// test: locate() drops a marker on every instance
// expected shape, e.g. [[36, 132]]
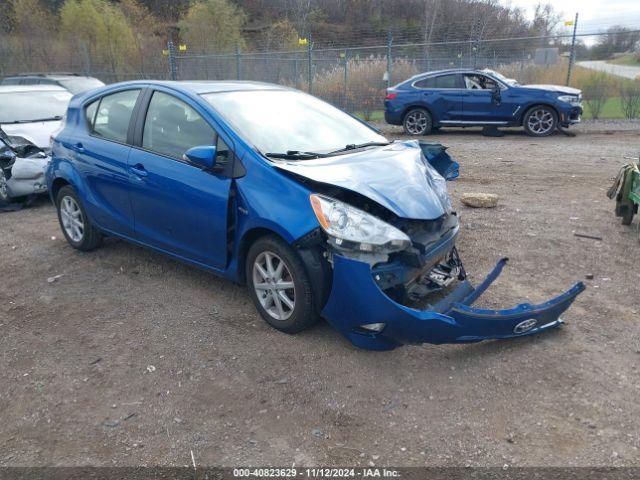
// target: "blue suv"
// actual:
[[464, 98]]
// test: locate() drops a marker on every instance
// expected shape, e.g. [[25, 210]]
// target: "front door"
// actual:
[[178, 207], [487, 101]]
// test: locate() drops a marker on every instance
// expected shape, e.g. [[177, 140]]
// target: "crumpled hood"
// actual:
[[556, 88], [396, 176], [37, 133]]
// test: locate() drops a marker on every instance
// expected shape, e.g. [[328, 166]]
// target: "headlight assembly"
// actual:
[[572, 99], [351, 228]]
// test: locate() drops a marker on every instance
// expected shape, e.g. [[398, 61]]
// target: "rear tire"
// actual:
[[417, 121], [279, 285], [74, 222], [540, 121]]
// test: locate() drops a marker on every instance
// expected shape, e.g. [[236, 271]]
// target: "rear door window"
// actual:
[[113, 115], [441, 81]]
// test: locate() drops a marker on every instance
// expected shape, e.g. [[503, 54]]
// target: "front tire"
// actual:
[[279, 285], [417, 121], [540, 121], [74, 222]]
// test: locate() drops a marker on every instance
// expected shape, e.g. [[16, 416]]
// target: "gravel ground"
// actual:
[[130, 358]]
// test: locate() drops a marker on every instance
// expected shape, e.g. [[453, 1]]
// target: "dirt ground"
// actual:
[[130, 358]]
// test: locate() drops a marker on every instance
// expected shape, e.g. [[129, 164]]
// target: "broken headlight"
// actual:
[[351, 228]]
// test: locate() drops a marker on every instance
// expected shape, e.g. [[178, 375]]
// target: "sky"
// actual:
[[594, 15]]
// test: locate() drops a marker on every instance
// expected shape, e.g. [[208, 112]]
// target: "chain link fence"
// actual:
[[354, 78]]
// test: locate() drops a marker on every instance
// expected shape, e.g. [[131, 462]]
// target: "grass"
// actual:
[[610, 110], [376, 116], [632, 59]]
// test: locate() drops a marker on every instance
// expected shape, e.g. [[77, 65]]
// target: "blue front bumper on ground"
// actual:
[[357, 300]]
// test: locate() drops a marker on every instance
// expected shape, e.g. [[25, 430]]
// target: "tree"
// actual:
[[100, 31], [212, 26], [597, 89], [630, 98], [31, 26], [281, 35], [616, 39], [146, 37], [545, 20]]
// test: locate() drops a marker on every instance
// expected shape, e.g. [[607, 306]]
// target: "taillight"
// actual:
[[391, 96]]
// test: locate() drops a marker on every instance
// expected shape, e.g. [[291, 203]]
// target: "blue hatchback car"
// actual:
[[465, 98], [317, 212]]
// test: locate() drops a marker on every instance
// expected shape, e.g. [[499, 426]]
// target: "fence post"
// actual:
[[346, 79], [389, 60], [309, 65], [238, 74], [572, 55], [86, 59], [173, 68]]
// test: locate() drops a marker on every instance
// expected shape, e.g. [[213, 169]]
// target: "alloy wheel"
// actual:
[[540, 121], [416, 122], [273, 285], [72, 220]]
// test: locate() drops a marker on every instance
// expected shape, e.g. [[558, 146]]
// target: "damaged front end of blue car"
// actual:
[[396, 275]]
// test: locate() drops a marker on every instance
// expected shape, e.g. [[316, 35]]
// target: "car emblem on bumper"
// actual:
[[525, 326]]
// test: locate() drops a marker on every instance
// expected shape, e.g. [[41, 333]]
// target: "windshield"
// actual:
[[80, 84], [499, 76], [34, 105], [280, 121]]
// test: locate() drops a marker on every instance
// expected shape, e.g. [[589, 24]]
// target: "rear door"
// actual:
[[102, 150], [443, 95], [178, 207]]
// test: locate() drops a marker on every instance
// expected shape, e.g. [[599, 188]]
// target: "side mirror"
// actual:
[[202, 156]]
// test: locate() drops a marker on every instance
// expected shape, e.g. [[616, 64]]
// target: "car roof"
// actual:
[[53, 75], [31, 88], [450, 71], [209, 86]]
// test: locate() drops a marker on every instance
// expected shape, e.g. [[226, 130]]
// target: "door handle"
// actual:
[[139, 170], [78, 147]]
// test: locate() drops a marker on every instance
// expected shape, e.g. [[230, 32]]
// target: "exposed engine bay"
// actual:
[[22, 168], [420, 258]]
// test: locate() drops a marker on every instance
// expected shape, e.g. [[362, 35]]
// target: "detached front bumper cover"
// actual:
[[357, 300]]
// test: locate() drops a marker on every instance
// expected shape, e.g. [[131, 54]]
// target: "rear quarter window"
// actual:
[[441, 81], [90, 113], [113, 115]]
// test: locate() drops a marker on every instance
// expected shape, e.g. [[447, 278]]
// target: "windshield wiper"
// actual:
[[48, 119], [295, 155], [355, 146]]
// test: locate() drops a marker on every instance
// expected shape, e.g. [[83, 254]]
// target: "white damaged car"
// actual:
[[29, 115]]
